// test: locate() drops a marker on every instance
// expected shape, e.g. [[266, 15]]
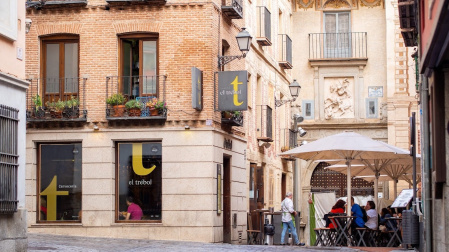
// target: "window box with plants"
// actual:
[[233, 118], [56, 108], [38, 111], [156, 107], [71, 109], [134, 107], [117, 102]]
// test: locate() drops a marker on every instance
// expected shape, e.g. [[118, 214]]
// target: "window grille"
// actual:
[[8, 159]]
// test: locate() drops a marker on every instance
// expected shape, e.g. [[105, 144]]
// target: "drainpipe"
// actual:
[[425, 165]]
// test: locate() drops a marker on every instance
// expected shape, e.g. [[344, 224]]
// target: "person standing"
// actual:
[[287, 221]]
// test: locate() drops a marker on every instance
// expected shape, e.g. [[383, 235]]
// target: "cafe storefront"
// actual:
[[190, 184]]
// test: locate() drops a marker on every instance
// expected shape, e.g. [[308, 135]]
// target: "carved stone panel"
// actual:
[[338, 98]]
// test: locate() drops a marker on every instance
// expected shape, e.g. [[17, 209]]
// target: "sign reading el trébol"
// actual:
[[232, 90]]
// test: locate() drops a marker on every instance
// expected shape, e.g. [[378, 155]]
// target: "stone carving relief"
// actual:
[[371, 3], [337, 4], [305, 4], [338, 99], [383, 111]]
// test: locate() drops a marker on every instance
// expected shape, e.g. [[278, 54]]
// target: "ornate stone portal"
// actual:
[[338, 98]]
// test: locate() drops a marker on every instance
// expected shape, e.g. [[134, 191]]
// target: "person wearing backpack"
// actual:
[[358, 215]]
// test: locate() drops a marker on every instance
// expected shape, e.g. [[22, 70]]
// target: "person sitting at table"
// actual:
[[389, 225], [134, 210], [371, 214], [358, 215], [339, 207]]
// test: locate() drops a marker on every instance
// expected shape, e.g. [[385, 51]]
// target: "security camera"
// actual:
[[298, 118]]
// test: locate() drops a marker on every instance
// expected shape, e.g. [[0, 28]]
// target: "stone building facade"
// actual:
[[188, 169], [13, 213], [355, 73]]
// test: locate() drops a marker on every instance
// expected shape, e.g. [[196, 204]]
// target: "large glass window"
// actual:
[[59, 197], [337, 34], [139, 172], [61, 68]]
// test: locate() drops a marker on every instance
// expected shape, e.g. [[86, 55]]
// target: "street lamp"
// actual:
[[244, 43], [294, 92]]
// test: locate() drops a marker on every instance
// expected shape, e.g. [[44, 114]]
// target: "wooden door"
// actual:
[[226, 200]]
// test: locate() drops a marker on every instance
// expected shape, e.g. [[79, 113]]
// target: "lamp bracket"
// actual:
[[279, 103], [223, 60]]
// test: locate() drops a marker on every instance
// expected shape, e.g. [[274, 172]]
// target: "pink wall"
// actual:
[[8, 48]]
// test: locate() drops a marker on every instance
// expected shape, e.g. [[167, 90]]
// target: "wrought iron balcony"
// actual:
[[285, 48], [56, 99], [337, 46], [407, 17], [264, 26], [265, 127], [39, 4], [232, 118], [232, 8], [136, 98]]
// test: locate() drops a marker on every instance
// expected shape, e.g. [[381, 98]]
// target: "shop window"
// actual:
[[139, 173], [59, 182]]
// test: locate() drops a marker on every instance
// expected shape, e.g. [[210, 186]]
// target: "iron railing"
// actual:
[[144, 89], [9, 122], [233, 8], [263, 22], [337, 45], [285, 59], [60, 99], [266, 125]]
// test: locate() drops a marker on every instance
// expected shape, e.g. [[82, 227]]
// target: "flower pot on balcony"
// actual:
[[134, 112], [154, 112], [119, 110]]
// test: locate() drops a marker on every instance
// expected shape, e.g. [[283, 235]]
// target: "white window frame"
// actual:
[[8, 22]]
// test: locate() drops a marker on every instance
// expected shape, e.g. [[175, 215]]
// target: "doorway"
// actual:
[[227, 199]]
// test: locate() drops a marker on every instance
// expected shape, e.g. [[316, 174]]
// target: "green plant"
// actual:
[[36, 99], [73, 102], [116, 99], [133, 104], [59, 105], [160, 105], [236, 113]]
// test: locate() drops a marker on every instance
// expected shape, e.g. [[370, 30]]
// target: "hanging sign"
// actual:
[[197, 88], [232, 90]]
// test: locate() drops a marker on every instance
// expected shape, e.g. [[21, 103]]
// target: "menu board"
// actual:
[[403, 199]]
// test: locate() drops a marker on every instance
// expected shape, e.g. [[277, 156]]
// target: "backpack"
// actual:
[[365, 216]]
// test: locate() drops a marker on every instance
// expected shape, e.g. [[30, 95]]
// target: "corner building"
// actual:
[[191, 171]]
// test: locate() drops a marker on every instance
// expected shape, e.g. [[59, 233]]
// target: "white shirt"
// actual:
[[287, 209], [372, 220]]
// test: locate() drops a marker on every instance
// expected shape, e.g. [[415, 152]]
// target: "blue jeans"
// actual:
[[290, 226]]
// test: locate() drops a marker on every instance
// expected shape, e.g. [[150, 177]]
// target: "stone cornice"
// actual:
[[11, 80]]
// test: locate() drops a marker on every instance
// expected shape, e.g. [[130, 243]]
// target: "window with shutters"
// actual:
[[337, 34]]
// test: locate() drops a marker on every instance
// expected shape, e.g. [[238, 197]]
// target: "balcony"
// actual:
[[118, 2], [288, 142], [232, 118], [136, 98], [56, 100], [232, 8], [264, 26], [285, 48], [265, 127], [407, 16], [338, 46], [39, 4]]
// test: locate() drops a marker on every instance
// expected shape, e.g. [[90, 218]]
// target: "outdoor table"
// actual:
[[342, 226], [261, 218], [396, 236]]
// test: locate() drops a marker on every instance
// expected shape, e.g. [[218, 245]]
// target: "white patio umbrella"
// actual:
[[347, 146]]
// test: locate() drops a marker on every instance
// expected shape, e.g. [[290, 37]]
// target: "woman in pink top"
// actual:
[[134, 210]]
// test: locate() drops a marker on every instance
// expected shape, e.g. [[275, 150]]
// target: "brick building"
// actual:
[[193, 172]]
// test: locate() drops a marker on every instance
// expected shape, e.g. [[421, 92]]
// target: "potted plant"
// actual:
[[160, 106], [56, 108], [117, 101], [134, 107], [151, 104], [37, 109], [71, 109]]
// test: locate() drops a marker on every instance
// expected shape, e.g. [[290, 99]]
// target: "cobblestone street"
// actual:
[[42, 242]]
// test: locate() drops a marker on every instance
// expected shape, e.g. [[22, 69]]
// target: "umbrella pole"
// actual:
[[376, 189], [348, 183], [395, 183]]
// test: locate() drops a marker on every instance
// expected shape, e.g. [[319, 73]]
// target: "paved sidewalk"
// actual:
[[43, 242]]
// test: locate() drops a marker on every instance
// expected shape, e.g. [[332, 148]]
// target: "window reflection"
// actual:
[[140, 177]]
